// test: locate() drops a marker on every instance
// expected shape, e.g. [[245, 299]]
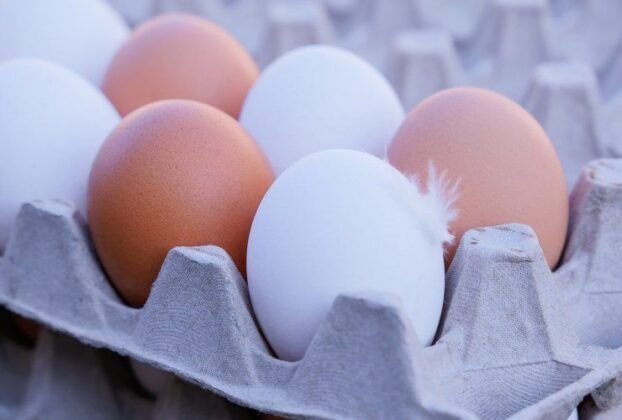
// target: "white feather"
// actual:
[[434, 203]]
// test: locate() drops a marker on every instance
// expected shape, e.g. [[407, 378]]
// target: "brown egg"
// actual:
[[506, 165], [173, 173], [180, 57]]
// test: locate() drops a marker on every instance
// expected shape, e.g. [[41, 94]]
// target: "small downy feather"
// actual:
[[441, 196], [434, 203]]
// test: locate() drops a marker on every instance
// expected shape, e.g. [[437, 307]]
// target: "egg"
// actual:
[[173, 173], [152, 379], [506, 166], [316, 98], [82, 35], [52, 123], [343, 221], [180, 57]]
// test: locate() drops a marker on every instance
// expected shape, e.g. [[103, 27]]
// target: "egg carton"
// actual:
[[60, 378], [515, 339]]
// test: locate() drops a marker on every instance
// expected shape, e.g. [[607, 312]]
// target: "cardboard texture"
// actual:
[[515, 339], [60, 378]]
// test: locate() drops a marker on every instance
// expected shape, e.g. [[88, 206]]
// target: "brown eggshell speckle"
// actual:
[[180, 57], [506, 165], [173, 173]]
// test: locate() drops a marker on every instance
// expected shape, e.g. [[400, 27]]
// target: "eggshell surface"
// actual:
[[506, 165], [173, 173], [52, 123], [82, 35], [340, 221], [152, 379], [316, 98], [180, 57]]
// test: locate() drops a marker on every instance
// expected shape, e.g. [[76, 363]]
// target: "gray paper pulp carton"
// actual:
[[515, 339]]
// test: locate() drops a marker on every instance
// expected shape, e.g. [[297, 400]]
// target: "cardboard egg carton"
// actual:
[[60, 378], [514, 339]]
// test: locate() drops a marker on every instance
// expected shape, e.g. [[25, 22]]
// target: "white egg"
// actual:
[[82, 35], [52, 123], [342, 221], [316, 98]]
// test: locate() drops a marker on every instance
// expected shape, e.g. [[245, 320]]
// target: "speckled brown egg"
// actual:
[[173, 173], [180, 56], [507, 168]]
